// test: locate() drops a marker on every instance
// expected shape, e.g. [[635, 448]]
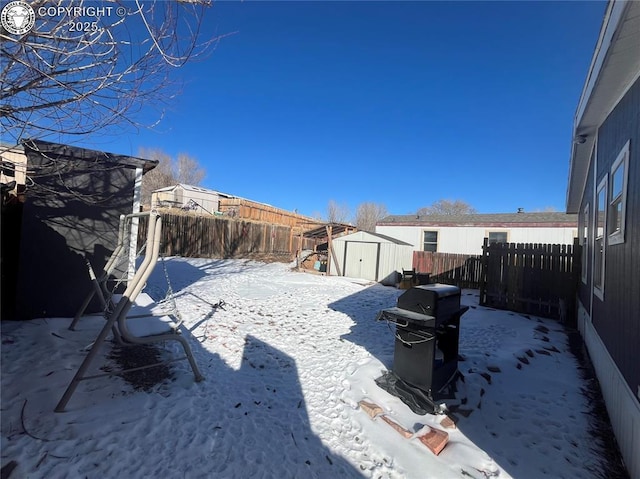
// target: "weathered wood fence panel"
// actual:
[[462, 270], [242, 208], [221, 237], [539, 279]]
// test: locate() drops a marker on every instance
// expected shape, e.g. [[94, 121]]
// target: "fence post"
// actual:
[[576, 274], [483, 271], [576, 260]]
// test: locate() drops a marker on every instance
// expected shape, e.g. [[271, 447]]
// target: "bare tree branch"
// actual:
[[337, 213], [368, 214], [448, 207], [170, 171], [75, 74], [187, 170]]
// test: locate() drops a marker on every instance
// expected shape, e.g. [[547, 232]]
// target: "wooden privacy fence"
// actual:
[[242, 208], [539, 279], [218, 237], [462, 270]]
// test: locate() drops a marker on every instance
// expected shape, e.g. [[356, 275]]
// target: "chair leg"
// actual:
[[82, 309], [187, 350], [95, 291], [83, 367]]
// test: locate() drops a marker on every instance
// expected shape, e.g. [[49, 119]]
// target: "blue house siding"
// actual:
[[616, 317]]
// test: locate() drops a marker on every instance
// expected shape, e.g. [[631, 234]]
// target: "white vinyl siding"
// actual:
[[469, 239]]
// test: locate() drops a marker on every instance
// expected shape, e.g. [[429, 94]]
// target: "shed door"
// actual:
[[361, 260]]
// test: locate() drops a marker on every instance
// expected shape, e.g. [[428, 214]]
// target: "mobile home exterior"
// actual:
[[201, 200], [464, 234], [604, 190], [14, 166]]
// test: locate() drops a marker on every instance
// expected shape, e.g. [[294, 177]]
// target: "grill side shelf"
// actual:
[[402, 317]]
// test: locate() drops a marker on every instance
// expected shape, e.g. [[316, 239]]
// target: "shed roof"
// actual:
[[547, 220], [378, 236], [321, 231], [198, 189], [615, 65], [68, 152]]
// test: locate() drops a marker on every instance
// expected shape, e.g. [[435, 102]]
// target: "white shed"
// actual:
[[371, 256], [187, 197]]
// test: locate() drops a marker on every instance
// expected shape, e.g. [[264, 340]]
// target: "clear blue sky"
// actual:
[[391, 102]]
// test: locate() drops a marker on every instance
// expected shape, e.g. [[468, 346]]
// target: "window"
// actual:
[[430, 242], [600, 246], [584, 241], [618, 197], [498, 237]]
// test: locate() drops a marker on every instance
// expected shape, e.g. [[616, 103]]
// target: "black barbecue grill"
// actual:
[[427, 327], [439, 300]]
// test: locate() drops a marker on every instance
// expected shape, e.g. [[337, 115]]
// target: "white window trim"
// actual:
[[617, 237], [585, 242], [498, 230], [598, 290], [133, 239], [437, 238], [593, 166]]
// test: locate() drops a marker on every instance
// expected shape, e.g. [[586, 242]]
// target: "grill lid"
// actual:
[[440, 290], [439, 300]]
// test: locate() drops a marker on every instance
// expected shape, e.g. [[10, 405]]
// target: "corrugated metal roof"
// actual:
[[321, 231], [528, 219], [199, 189], [381, 236]]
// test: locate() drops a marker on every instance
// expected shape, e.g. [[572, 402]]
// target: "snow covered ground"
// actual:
[[286, 362]]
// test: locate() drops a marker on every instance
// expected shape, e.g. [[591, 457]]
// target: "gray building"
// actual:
[[72, 205], [604, 190]]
